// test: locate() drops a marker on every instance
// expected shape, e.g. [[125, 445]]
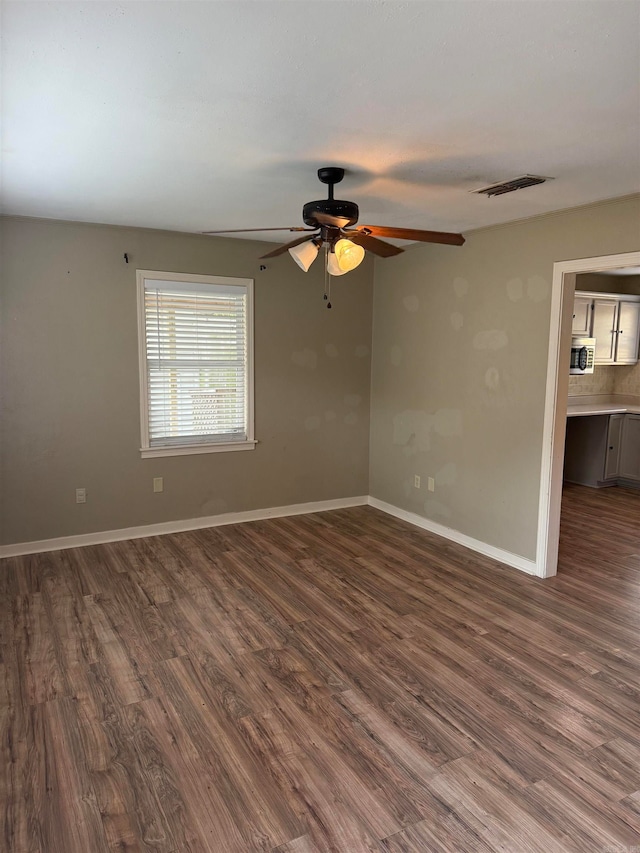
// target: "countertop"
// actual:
[[603, 405]]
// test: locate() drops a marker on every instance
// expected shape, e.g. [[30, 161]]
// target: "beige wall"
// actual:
[[70, 404], [459, 361], [460, 345]]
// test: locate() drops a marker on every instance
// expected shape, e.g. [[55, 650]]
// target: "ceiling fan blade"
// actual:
[[243, 230], [331, 221], [414, 234], [372, 244], [285, 248]]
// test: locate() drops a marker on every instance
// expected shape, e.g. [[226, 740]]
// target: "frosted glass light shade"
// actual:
[[333, 267], [304, 254], [348, 254]]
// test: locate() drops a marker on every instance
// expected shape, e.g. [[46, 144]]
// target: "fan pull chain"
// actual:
[[327, 279]]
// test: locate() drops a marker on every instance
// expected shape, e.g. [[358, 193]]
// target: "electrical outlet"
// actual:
[[431, 484], [158, 484], [81, 496], [416, 480]]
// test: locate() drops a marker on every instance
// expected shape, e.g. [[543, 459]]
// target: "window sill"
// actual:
[[191, 449]]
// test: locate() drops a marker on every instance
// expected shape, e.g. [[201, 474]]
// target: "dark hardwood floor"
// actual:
[[333, 682]]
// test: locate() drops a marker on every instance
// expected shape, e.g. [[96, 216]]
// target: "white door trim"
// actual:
[[555, 407]]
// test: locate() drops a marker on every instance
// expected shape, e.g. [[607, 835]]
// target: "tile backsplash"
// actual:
[[607, 379], [627, 379]]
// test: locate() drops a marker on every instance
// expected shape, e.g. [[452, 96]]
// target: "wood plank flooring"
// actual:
[[332, 682]]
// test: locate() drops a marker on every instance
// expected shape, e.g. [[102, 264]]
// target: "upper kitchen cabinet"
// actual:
[[628, 337], [613, 320], [582, 316], [603, 329]]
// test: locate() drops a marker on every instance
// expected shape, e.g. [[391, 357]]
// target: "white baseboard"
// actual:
[[164, 527], [124, 533], [515, 560]]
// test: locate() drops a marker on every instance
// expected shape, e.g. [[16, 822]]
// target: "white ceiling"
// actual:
[[202, 115]]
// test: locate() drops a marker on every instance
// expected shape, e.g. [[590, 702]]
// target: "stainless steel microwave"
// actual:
[[583, 353]]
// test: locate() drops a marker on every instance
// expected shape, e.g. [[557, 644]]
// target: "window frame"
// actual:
[[146, 450]]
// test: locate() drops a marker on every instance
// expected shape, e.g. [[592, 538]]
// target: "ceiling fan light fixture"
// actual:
[[304, 254], [333, 267], [348, 255]]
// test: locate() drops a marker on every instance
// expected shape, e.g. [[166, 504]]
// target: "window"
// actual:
[[196, 364]]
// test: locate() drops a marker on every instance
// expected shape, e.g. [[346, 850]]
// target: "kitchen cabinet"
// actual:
[[613, 319], [612, 454], [603, 329], [628, 337], [603, 450], [585, 450], [629, 463], [581, 316]]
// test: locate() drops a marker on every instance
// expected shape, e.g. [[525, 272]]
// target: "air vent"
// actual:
[[512, 186]]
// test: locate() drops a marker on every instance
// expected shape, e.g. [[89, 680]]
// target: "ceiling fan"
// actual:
[[331, 224]]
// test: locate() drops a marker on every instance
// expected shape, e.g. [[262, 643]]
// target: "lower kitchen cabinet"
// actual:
[[585, 449], [603, 450], [629, 462], [614, 441]]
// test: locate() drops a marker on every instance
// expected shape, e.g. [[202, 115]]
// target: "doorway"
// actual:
[[557, 389]]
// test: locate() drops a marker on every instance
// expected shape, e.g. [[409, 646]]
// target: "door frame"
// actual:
[[555, 407]]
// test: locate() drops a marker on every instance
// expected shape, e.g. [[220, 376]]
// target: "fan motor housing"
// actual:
[[330, 211]]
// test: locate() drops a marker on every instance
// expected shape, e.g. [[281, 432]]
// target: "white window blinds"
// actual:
[[196, 363]]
